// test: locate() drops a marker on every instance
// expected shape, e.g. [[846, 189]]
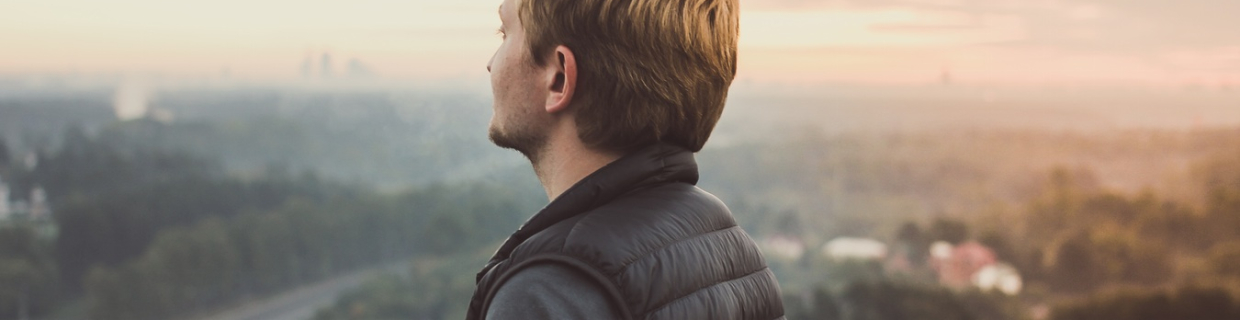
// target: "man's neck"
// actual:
[[565, 161]]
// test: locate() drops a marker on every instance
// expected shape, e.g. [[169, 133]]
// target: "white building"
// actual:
[[999, 276], [36, 209], [5, 210], [39, 208], [845, 248], [783, 247]]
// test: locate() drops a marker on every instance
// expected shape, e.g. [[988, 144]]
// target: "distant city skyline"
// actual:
[[782, 41]]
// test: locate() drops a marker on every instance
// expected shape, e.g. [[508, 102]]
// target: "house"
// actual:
[[846, 248], [956, 265], [973, 264], [37, 209], [999, 276], [782, 246]]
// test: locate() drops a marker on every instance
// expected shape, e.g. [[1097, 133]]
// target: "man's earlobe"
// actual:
[[564, 83]]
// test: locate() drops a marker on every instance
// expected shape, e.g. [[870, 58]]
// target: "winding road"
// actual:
[[301, 303]]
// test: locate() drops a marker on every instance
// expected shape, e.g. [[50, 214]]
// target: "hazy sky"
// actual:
[[782, 41]]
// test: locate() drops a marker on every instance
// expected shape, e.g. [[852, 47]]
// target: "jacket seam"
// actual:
[[616, 298], [669, 302], [647, 253]]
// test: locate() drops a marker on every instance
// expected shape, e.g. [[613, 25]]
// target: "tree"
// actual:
[[199, 264], [1220, 179], [1075, 267], [1091, 258], [889, 300], [913, 243], [16, 278], [825, 307], [5, 159], [1194, 302], [1224, 259], [112, 227], [1188, 302], [266, 245], [1002, 247], [1058, 207], [28, 279], [950, 230]]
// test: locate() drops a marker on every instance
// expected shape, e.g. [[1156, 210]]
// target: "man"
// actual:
[[609, 99]]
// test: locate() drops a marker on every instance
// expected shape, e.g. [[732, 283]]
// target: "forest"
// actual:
[[253, 193], [1087, 242]]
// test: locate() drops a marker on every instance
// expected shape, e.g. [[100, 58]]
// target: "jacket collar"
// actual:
[[652, 165]]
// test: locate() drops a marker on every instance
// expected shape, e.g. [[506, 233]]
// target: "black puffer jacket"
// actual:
[[662, 248]]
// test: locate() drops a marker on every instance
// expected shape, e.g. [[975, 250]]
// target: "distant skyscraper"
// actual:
[[325, 65], [307, 67], [357, 69]]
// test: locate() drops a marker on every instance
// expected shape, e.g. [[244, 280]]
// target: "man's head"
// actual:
[[627, 73]]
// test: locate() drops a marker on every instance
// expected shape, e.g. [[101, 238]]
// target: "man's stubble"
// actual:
[[523, 131]]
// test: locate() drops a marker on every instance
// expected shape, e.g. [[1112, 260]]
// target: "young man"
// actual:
[[609, 99]]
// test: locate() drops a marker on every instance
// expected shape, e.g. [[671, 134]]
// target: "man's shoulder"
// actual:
[[648, 218], [635, 225], [551, 291]]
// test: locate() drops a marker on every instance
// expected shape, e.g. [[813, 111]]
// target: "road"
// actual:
[[302, 302]]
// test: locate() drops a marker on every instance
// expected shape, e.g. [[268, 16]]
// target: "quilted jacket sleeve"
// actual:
[[550, 291]]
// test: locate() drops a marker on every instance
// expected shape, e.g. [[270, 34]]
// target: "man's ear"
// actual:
[[563, 80]]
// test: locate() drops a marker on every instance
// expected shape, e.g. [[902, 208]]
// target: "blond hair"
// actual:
[[648, 70]]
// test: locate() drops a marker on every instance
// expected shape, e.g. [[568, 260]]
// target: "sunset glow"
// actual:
[[782, 41]]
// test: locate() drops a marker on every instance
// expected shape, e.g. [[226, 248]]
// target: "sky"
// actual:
[[1162, 42]]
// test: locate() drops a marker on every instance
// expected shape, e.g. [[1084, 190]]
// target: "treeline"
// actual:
[[1078, 237], [1093, 253], [435, 288], [81, 165], [219, 260], [1188, 303], [1106, 245], [148, 233], [1074, 233], [112, 227], [110, 201]]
